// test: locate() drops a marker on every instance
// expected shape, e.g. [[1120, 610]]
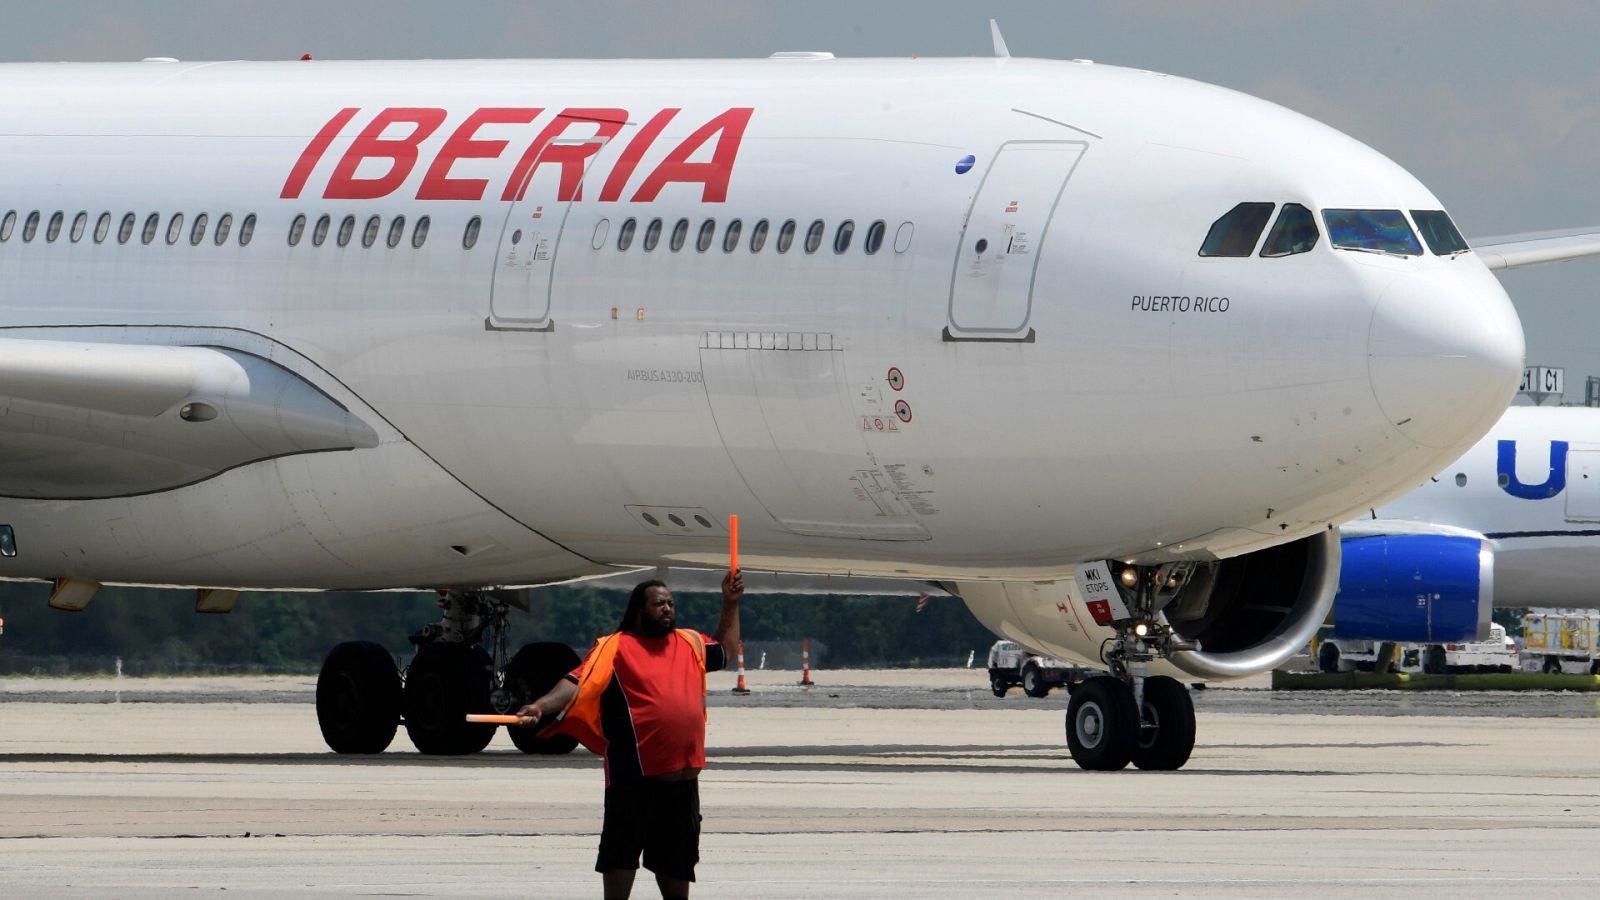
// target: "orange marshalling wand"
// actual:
[[488, 719], [733, 543]]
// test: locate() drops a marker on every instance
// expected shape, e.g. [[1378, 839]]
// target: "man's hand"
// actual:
[[732, 586], [530, 715]]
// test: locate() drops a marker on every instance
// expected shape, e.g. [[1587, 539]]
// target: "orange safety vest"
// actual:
[[581, 717]]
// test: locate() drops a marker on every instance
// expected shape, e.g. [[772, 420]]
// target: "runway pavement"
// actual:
[[213, 785]]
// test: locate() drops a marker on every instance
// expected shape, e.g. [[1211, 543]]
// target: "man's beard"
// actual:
[[653, 628]]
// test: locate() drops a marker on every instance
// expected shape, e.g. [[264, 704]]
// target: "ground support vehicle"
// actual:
[[1012, 664], [1496, 653], [1561, 641]]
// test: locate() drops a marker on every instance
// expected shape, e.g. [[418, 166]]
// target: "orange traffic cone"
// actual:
[[741, 687], [805, 663]]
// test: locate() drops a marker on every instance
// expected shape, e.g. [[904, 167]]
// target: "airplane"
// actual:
[[1108, 353]]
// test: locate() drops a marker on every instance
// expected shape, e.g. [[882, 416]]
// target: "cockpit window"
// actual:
[[1439, 232], [1371, 230], [1236, 233], [1294, 232]]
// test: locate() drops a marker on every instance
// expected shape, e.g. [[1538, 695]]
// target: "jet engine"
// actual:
[[1210, 620]]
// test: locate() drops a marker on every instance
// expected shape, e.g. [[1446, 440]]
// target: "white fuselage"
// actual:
[[1084, 386]]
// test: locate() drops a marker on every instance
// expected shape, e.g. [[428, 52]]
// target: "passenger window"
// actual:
[[902, 237], [397, 230], [1294, 232], [730, 238], [80, 222], [786, 236], [1236, 233], [53, 230], [652, 235], [470, 238], [1439, 232], [296, 229], [758, 236], [1371, 231], [841, 237], [102, 228], [708, 230], [30, 227], [680, 233], [125, 231], [8, 225], [347, 230], [198, 232], [419, 234], [625, 234], [874, 239], [814, 236], [319, 234], [152, 227], [175, 228], [369, 235], [247, 230], [224, 225]]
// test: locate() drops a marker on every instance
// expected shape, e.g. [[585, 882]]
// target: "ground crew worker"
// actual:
[[638, 700]]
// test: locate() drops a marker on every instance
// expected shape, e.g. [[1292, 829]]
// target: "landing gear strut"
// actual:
[[461, 667], [1129, 715]]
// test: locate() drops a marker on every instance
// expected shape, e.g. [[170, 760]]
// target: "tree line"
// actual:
[[158, 632]]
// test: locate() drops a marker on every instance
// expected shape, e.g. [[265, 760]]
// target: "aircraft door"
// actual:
[[1583, 485], [991, 291], [519, 297]]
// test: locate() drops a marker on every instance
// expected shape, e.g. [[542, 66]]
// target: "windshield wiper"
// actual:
[[1377, 250]]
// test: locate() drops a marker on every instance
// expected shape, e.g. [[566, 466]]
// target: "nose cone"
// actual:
[[1445, 355]]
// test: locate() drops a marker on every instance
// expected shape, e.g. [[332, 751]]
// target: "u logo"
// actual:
[[1506, 467]]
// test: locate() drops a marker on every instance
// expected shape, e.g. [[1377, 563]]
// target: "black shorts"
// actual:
[[660, 819]]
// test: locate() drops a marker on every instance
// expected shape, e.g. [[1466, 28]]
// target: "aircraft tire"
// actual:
[[444, 683], [1433, 660], [1166, 734], [358, 698], [1033, 683], [1328, 658], [1102, 724], [532, 672], [999, 684]]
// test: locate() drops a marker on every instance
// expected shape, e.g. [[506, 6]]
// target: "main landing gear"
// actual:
[[362, 698], [1128, 715]]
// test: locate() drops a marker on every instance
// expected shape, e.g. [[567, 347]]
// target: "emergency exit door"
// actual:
[[991, 292], [519, 297]]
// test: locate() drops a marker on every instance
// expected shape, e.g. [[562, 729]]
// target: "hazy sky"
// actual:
[[1495, 106]]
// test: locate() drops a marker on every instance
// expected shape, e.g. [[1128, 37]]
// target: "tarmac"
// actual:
[[871, 784]]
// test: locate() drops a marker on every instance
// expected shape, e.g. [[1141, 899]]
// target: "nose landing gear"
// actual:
[[1128, 715]]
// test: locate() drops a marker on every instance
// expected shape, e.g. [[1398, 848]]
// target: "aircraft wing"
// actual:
[[93, 419], [1515, 251]]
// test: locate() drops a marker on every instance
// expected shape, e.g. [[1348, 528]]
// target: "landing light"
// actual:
[[1141, 629], [1129, 576]]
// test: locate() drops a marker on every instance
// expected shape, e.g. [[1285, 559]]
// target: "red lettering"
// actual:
[[633, 153], [438, 185], [371, 144], [570, 157], [713, 176], [313, 152]]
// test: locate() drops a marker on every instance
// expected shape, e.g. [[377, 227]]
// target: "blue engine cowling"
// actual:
[[1427, 588]]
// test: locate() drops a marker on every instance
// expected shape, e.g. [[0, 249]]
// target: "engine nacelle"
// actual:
[[1249, 613], [1426, 588]]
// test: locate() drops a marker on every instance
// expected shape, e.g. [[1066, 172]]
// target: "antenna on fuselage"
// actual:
[[1000, 50]]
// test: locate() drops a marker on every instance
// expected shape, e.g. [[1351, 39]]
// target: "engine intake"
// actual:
[[1252, 612]]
